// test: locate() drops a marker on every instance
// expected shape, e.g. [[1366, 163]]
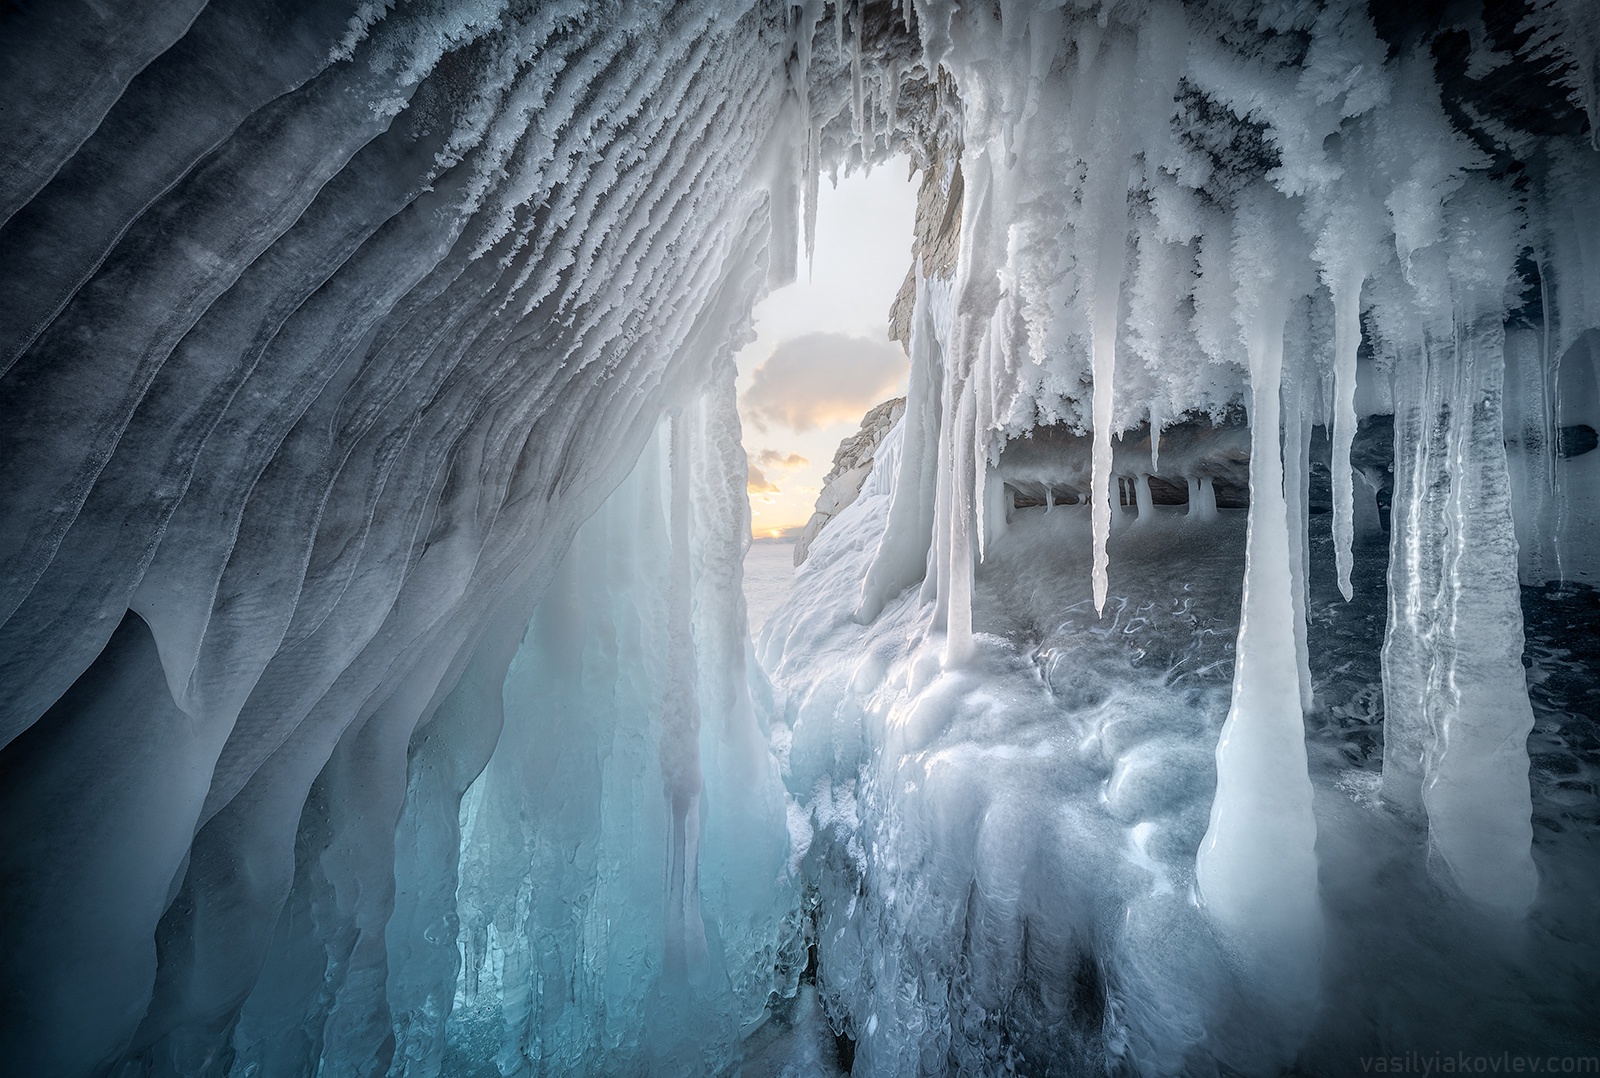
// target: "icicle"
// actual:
[[680, 733], [1346, 340], [891, 105], [858, 120], [1297, 405], [1104, 332], [813, 176], [1155, 437], [805, 31], [784, 214], [1105, 203]]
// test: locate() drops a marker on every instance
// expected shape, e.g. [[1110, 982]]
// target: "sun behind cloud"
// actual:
[[816, 379]]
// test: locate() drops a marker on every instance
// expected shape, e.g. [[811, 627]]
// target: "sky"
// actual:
[[822, 356]]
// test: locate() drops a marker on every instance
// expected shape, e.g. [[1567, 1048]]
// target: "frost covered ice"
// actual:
[[1170, 239], [1190, 688]]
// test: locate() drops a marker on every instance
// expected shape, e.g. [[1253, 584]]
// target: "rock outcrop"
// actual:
[[852, 463]]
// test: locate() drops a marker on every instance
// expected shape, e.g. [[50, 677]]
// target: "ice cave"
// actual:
[[1196, 673]]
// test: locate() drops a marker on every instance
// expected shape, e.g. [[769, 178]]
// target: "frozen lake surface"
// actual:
[[768, 577]]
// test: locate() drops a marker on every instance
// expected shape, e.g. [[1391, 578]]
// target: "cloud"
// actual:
[[822, 378], [756, 483], [783, 462]]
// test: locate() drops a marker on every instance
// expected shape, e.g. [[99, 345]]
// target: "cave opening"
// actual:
[[1188, 662]]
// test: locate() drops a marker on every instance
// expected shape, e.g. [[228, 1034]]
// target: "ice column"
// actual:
[[680, 729], [902, 556], [622, 895], [1256, 870], [1455, 696], [1456, 706], [1415, 570], [1476, 793]]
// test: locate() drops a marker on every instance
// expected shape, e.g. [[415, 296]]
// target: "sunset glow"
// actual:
[[822, 356]]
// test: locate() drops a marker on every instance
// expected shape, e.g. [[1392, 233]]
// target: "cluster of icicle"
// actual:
[[1169, 208]]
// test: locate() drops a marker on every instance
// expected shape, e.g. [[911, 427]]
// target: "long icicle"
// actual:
[[1346, 341], [1105, 203]]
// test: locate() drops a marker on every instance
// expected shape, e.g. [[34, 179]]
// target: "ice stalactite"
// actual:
[[1105, 209], [1298, 385], [1257, 868], [680, 727], [1345, 288]]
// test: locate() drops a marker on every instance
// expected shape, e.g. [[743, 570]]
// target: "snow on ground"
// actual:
[[768, 578], [1000, 853]]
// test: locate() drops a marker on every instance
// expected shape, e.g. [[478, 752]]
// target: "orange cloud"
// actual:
[[822, 378], [784, 462], [756, 483]]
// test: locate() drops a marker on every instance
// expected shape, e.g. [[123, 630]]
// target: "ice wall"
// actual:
[[325, 326], [631, 762]]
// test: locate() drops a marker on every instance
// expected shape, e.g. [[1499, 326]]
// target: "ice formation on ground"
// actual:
[[376, 694]]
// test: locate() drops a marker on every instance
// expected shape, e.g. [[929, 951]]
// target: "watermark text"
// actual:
[[1430, 1063]]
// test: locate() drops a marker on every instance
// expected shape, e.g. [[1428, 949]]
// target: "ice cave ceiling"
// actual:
[[375, 692]]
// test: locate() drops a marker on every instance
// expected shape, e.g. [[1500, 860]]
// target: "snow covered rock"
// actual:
[[852, 463]]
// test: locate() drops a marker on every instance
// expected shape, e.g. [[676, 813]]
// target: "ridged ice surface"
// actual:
[[375, 695], [324, 327]]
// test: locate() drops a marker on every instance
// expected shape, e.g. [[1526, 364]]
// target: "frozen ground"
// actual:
[[1001, 856], [768, 578]]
